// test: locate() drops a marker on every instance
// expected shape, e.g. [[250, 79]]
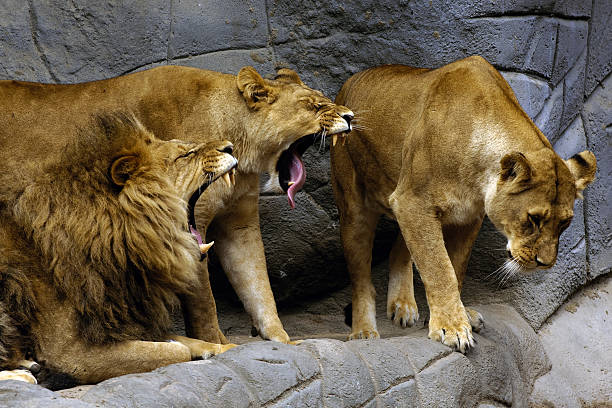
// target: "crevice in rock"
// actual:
[[170, 33], [395, 383], [131, 70], [270, 39], [253, 400], [434, 360], [588, 54], [528, 72], [554, 61], [374, 382], [39, 50], [296, 388], [519, 14], [494, 402], [271, 361]]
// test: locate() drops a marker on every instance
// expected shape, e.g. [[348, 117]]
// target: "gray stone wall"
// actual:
[[556, 55]]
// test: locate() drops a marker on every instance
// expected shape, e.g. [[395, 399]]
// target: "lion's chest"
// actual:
[[459, 207]]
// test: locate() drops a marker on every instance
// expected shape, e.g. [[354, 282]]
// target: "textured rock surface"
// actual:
[[576, 341], [556, 55], [409, 371]]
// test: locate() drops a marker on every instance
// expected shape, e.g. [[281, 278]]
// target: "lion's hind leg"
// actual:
[[401, 306], [202, 349]]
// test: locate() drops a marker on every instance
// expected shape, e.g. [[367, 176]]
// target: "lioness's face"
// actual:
[[534, 203], [293, 116]]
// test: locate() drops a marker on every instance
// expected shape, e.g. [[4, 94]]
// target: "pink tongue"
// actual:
[[196, 234], [297, 174]]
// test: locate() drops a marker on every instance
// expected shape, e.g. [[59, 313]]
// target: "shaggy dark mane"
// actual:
[[118, 255]]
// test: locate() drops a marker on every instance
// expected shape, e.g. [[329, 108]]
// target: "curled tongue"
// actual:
[[297, 177]]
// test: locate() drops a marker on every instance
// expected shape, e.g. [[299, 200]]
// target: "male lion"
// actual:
[[440, 149], [270, 123], [95, 248]]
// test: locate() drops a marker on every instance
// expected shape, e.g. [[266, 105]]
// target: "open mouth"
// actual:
[[290, 167], [229, 177]]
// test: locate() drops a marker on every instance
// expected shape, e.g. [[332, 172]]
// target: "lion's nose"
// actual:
[[542, 264], [348, 117], [229, 149]]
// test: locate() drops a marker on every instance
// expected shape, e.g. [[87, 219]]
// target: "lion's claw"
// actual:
[[454, 331], [364, 334], [476, 319], [403, 314]]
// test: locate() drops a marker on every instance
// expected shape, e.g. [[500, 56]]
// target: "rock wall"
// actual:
[[555, 54]]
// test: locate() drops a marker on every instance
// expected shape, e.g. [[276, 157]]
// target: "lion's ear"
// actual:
[[289, 76], [254, 89], [123, 168], [515, 167], [583, 166]]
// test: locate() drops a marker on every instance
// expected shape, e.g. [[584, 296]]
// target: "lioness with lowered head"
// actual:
[[270, 123], [440, 150], [95, 248]]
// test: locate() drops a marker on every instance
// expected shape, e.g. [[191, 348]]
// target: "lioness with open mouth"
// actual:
[[440, 149], [270, 123]]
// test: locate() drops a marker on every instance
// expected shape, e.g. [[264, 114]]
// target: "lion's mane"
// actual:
[[118, 255]]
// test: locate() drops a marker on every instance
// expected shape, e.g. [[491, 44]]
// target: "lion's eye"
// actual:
[[535, 220], [184, 155], [317, 107]]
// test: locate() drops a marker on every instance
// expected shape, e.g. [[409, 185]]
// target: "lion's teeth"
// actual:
[[226, 178], [334, 139], [232, 177], [205, 247], [291, 183], [343, 139]]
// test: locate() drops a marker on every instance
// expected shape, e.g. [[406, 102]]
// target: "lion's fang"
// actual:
[[334, 139], [226, 178], [205, 247]]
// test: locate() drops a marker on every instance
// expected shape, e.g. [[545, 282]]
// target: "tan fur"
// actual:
[[260, 117], [95, 250], [437, 150]]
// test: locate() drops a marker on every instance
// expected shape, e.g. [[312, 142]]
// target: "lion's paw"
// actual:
[[19, 375], [274, 333], [364, 334], [403, 314], [476, 319], [217, 349], [456, 334]]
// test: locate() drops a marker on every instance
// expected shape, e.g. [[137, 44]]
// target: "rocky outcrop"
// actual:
[[555, 54], [401, 371]]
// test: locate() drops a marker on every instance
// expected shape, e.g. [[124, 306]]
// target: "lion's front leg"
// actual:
[[240, 249], [200, 311], [459, 240], [422, 231]]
